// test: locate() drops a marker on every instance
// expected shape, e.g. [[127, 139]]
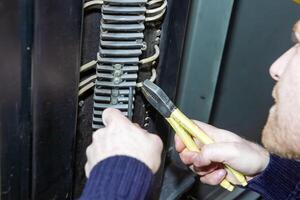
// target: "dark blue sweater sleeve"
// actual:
[[118, 177], [280, 180]]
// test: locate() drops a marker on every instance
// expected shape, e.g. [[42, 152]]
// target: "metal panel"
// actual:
[[207, 30], [204, 46], [56, 61], [15, 39]]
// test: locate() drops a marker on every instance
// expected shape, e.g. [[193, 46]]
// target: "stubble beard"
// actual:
[[278, 140]]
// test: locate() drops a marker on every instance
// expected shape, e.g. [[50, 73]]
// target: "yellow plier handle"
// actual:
[[297, 1], [196, 132], [191, 146]]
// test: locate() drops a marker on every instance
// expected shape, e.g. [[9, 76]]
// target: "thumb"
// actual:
[[111, 116]]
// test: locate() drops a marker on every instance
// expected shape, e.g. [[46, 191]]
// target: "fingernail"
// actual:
[[221, 174]]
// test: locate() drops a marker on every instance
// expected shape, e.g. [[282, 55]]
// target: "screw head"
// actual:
[[114, 101], [115, 93], [117, 80], [81, 103], [158, 32], [118, 66], [118, 73]]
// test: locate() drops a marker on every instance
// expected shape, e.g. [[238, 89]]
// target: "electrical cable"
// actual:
[[156, 17], [152, 78], [151, 58], [154, 2], [158, 9], [154, 75], [92, 3], [86, 88], [86, 81], [88, 66]]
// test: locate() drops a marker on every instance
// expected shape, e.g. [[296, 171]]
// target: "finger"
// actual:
[[232, 179], [157, 141], [97, 134], [226, 153], [137, 125], [198, 143], [179, 145], [221, 153], [214, 178], [200, 161], [113, 116], [207, 169], [88, 151], [87, 170], [187, 157]]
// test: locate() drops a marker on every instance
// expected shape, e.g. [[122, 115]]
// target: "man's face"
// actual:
[[281, 134]]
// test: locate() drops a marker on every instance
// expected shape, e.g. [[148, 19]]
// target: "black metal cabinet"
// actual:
[[15, 113], [55, 75], [40, 59]]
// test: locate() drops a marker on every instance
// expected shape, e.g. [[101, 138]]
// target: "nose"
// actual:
[[279, 66], [276, 70]]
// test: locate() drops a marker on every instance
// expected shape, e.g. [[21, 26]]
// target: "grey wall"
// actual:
[[260, 31]]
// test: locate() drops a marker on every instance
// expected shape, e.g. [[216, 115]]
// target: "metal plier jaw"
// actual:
[[158, 98]]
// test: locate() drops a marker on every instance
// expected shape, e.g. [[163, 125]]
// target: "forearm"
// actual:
[[279, 179], [118, 177]]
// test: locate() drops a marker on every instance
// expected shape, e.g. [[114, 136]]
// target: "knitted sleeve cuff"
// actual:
[[278, 180], [118, 177]]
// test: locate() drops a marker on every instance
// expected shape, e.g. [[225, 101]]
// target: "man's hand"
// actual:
[[242, 155], [121, 137]]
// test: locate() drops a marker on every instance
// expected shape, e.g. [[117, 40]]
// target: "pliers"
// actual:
[[185, 128]]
